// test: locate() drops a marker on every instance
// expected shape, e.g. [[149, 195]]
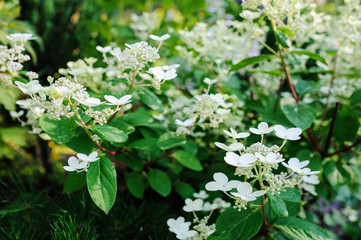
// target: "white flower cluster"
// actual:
[[219, 43], [200, 230], [11, 59], [258, 161], [81, 162], [144, 24]]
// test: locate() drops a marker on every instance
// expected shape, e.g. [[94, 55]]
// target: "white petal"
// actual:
[[244, 188], [232, 184], [280, 131], [82, 165], [197, 204], [220, 178], [82, 156], [232, 159], [247, 158], [73, 162], [294, 133], [212, 186], [263, 126], [69, 169], [257, 193], [255, 131], [242, 135], [111, 99], [125, 99]]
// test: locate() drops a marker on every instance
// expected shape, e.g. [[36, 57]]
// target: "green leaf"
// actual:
[[160, 182], [141, 118], [286, 31], [144, 144], [136, 185], [74, 182], [312, 55], [59, 131], [300, 229], [356, 97], [184, 189], [125, 127], [81, 142], [337, 174], [8, 98], [109, 133], [102, 183], [291, 195], [250, 61], [170, 140], [300, 115], [278, 206], [150, 99], [187, 160], [232, 224], [281, 38], [346, 124]]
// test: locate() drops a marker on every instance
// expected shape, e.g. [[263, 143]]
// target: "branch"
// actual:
[[346, 149], [329, 136]]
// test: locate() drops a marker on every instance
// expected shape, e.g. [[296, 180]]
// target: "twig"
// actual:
[[346, 149], [329, 136]]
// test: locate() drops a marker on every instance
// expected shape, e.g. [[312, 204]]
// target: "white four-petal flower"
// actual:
[[271, 158], [287, 134], [245, 160], [221, 183], [191, 205], [75, 164], [31, 87], [91, 102], [115, 101], [235, 135], [161, 38], [186, 123], [231, 148], [244, 191], [261, 129], [202, 195], [88, 158]]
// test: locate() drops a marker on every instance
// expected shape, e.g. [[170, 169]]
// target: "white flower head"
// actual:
[[271, 158], [88, 158], [20, 37], [104, 49], [221, 183], [191, 205], [75, 164], [236, 135], [31, 87], [186, 123], [244, 191], [261, 129], [245, 160], [295, 165], [208, 81], [231, 148], [202, 194], [174, 224], [115, 101], [15, 114], [287, 134], [161, 38], [91, 102], [313, 179]]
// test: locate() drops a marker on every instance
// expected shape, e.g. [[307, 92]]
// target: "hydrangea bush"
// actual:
[[153, 114]]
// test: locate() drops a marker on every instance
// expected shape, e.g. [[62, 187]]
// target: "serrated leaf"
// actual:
[[250, 61], [300, 115], [278, 206], [136, 185], [187, 160], [337, 174], [300, 229], [312, 55], [102, 183], [232, 224], [150, 99], [109, 133], [58, 130], [170, 140], [160, 182]]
